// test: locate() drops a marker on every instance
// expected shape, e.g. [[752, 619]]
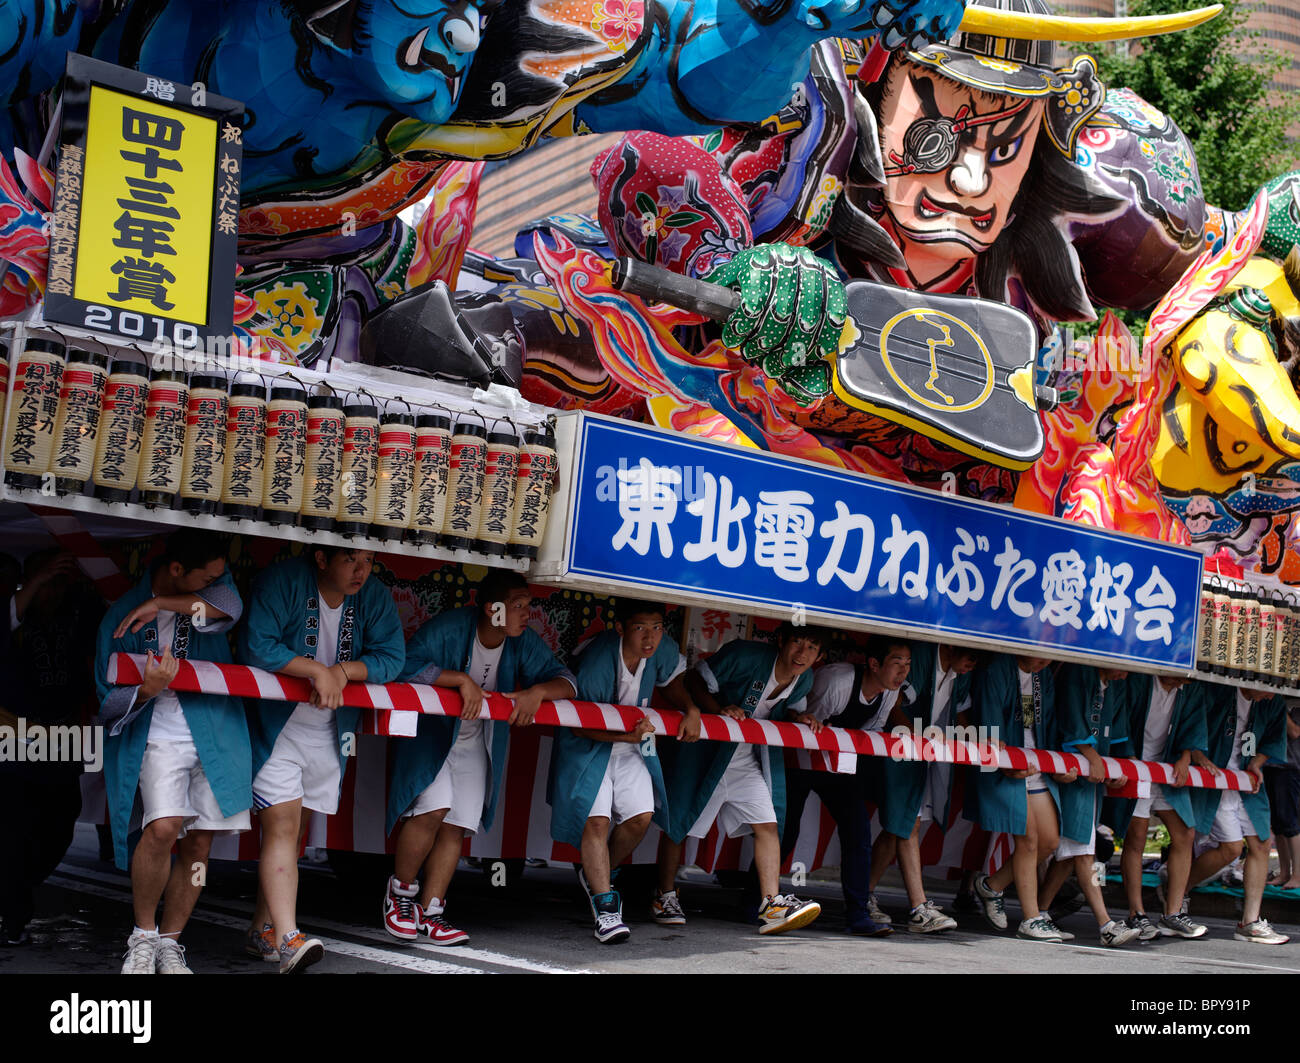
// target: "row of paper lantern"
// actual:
[[320, 460], [1249, 633]]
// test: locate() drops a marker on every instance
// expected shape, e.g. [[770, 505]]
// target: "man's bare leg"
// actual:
[[441, 864], [151, 866], [186, 881]]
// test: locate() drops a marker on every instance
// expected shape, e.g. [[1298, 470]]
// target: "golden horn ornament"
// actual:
[[1028, 27]]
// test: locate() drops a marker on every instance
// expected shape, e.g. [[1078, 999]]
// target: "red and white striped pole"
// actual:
[[397, 705]]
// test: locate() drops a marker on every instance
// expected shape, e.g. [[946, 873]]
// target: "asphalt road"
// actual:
[[539, 924]]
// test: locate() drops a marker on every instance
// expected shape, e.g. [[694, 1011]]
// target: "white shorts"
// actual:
[[304, 765], [1067, 848], [741, 798], [1231, 824], [1155, 803], [172, 783], [627, 789], [460, 785]]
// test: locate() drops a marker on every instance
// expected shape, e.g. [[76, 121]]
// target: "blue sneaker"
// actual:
[[868, 927], [610, 928]]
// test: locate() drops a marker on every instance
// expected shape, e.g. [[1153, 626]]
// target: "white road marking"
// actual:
[[1184, 959]]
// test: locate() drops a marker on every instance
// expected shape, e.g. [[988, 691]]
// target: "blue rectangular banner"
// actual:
[[669, 511]]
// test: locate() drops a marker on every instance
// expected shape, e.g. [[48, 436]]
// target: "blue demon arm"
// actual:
[[710, 63]]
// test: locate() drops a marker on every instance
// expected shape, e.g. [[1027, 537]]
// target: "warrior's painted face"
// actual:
[[954, 159], [415, 54]]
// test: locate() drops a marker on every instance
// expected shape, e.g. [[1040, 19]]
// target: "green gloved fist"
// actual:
[[791, 314]]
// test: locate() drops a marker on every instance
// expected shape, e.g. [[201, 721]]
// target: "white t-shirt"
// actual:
[[1026, 708], [629, 683], [168, 723], [629, 693], [483, 666], [1160, 714], [306, 715], [771, 695], [941, 705], [1243, 714]]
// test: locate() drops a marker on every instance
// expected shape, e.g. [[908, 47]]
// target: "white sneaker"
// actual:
[[995, 912], [877, 913], [786, 912], [1259, 932], [1040, 929], [171, 957], [929, 918], [1114, 934], [141, 954]]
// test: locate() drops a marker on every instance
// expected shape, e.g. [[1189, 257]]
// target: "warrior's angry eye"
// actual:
[[1004, 153]]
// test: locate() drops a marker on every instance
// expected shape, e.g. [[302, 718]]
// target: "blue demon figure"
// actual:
[[336, 89]]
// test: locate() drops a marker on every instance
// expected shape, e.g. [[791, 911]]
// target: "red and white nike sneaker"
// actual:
[[401, 910], [437, 929]]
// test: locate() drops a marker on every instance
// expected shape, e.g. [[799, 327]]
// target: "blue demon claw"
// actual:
[[883, 15], [893, 39]]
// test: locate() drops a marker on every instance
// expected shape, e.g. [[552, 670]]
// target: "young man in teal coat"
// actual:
[[1244, 727], [1091, 714], [912, 792], [322, 617], [186, 754], [1166, 723], [740, 785], [1014, 698], [599, 777], [445, 781]]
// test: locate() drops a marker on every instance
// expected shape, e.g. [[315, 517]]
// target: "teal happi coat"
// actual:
[[741, 669], [577, 763], [216, 722], [447, 642], [1186, 731], [1267, 722], [283, 623], [900, 784], [1000, 802], [1085, 716]]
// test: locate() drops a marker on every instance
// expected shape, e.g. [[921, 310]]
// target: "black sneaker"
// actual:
[[13, 935], [1147, 930], [966, 904], [1069, 899]]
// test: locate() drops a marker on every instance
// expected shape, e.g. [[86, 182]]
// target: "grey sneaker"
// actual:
[[995, 911], [877, 913], [666, 909], [928, 918], [1259, 932], [141, 954], [298, 952], [1147, 930], [1180, 926], [260, 944], [1040, 929], [1114, 934], [170, 957]]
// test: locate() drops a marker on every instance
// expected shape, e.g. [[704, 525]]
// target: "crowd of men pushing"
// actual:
[[182, 767]]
